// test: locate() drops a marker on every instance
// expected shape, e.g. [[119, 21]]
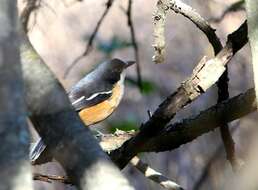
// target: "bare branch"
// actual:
[[187, 130], [15, 173], [134, 42], [177, 134], [159, 19], [179, 7], [91, 39], [50, 178], [206, 73]]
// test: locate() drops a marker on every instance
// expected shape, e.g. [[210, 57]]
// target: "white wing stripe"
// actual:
[[96, 94], [76, 101]]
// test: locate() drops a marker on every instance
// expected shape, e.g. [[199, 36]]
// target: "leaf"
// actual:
[[124, 125]]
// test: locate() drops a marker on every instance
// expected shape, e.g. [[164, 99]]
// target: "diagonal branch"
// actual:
[[91, 39], [154, 175], [180, 133], [206, 73], [181, 8], [187, 130], [15, 173]]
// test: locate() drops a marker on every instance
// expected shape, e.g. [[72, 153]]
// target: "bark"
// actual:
[[205, 74], [14, 150], [252, 19]]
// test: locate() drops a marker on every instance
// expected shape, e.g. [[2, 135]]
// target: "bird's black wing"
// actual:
[[81, 102], [91, 90]]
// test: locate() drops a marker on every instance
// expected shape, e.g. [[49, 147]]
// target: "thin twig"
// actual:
[[153, 175], [50, 178], [134, 43], [149, 113], [179, 7], [91, 39], [30, 6]]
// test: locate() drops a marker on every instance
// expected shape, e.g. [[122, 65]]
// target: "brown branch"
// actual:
[[134, 42], [89, 45], [206, 73], [177, 134], [50, 178], [187, 130]]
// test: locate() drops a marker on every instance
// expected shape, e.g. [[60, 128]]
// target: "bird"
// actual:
[[95, 97]]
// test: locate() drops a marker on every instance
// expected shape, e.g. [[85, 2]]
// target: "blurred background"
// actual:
[[59, 30]]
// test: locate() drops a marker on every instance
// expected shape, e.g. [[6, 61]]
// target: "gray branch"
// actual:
[[15, 171]]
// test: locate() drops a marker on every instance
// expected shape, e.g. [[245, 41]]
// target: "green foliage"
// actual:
[[123, 125], [28, 53]]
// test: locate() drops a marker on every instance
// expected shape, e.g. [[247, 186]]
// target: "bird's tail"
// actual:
[[40, 153]]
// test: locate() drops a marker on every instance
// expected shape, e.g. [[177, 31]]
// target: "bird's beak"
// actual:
[[129, 63]]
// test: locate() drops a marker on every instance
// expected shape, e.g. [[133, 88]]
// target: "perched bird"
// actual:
[[99, 93], [95, 97]]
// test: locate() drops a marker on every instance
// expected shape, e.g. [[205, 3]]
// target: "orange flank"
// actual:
[[101, 111]]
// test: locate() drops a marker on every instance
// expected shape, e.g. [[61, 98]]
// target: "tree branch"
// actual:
[[15, 171], [177, 134], [134, 42], [50, 178], [206, 73], [179, 7], [159, 20]]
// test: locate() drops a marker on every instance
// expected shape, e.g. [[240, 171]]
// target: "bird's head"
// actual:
[[117, 65]]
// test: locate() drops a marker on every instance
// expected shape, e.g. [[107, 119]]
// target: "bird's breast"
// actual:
[[101, 111]]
